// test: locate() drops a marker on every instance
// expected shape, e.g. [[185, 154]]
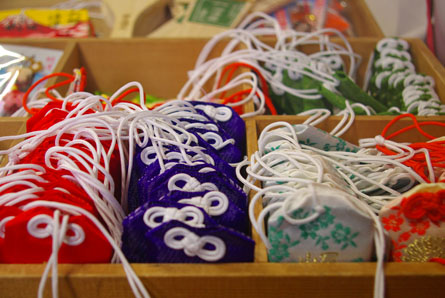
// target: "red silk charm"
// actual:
[[426, 204], [94, 249]]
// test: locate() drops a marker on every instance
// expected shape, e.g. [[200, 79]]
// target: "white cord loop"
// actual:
[[191, 184], [193, 245], [222, 114], [42, 226], [155, 216], [214, 203], [216, 140], [270, 62]]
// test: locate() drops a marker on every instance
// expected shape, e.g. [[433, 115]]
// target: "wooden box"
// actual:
[[362, 20], [162, 71]]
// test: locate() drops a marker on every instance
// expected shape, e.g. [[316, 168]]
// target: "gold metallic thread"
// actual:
[[424, 249], [326, 257]]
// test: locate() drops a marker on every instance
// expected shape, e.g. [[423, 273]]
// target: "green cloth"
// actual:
[[353, 92]]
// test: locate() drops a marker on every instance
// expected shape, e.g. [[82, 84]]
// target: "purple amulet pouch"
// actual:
[[227, 118], [177, 242], [135, 198], [146, 172], [146, 161], [151, 215], [217, 138], [216, 204], [190, 180]]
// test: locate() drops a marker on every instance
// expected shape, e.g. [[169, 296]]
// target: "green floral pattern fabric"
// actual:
[[314, 137], [328, 233]]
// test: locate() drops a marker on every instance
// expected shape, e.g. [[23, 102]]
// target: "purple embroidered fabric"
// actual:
[[191, 247], [191, 180], [217, 139], [234, 127], [134, 229], [231, 216], [141, 168], [147, 172], [192, 209], [151, 175]]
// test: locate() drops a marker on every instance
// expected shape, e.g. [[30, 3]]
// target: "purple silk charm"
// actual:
[[227, 118], [216, 204], [145, 172], [177, 242], [190, 180], [134, 199], [172, 153], [216, 137], [151, 215]]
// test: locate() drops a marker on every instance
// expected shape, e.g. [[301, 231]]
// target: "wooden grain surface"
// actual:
[[252, 147]]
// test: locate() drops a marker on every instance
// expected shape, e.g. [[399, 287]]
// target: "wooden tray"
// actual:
[[155, 63]]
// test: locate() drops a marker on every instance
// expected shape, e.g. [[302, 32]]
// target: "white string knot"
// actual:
[[157, 215], [191, 184], [42, 226], [222, 114], [146, 154], [14, 156], [194, 245], [335, 62], [214, 203], [380, 140], [290, 205], [215, 140]]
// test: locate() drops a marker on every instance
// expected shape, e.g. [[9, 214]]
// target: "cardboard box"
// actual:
[[155, 63], [10, 127], [133, 18]]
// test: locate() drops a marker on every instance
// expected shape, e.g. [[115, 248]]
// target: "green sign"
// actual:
[[216, 12]]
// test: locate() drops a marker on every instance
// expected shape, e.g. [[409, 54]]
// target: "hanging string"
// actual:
[[235, 66], [428, 155]]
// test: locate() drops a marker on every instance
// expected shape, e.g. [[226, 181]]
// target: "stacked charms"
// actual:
[[394, 81], [415, 223], [59, 201], [185, 201]]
